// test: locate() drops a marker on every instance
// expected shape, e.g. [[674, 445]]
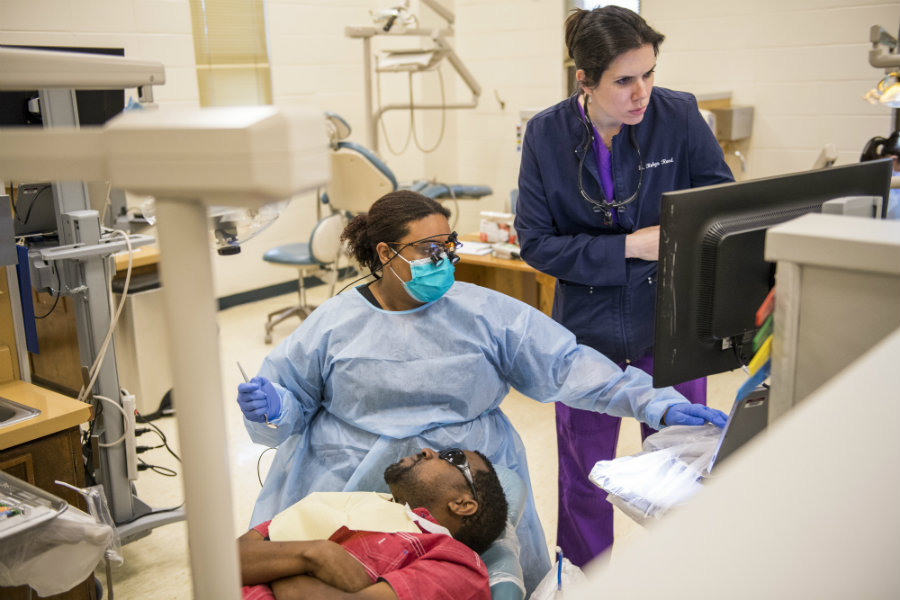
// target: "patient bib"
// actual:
[[320, 514]]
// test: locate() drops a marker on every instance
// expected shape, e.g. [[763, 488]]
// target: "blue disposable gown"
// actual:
[[363, 387]]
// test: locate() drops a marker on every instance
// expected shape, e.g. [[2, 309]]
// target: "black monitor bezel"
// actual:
[[682, 349], [95, 107]]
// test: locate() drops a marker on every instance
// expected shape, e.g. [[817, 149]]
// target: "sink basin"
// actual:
[[13, 412]]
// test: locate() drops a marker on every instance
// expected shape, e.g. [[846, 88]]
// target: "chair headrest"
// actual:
[[338, 128], [372, 158]]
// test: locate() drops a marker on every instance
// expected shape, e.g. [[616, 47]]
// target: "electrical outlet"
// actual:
[[128, 405]]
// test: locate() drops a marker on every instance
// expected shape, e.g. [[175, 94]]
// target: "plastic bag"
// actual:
[[502, 559], [95, 498], [561, 578], [55, 556], [665, 474]]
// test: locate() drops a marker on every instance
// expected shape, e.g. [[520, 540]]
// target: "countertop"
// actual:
[[58, 412], [488, 260], [143, 256]]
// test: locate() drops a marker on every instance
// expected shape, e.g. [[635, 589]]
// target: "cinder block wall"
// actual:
[[802, 64]]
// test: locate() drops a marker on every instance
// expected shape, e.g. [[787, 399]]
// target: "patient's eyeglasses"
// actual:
[[457, 458], [433, 249]]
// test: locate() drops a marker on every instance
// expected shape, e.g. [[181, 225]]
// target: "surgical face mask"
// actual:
[[429, 281]]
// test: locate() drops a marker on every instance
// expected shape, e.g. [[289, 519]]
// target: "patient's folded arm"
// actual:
[[264, 561], [305, 587]]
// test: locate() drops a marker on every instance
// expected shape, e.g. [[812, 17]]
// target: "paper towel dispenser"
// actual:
[[733, 123]]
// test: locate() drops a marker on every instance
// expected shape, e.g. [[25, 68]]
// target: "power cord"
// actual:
[[101, 354], [411, 134], [154, 429], [142, 449], [366, 276], [106, 202], [384, 134], [87, 449], [144, 465], [258, 461], [455, 200], [13, 202], [124, 416], [56, 298], [412, 122], [158, 469]]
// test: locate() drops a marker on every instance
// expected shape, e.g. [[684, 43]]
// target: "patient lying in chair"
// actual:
[[420, 543]]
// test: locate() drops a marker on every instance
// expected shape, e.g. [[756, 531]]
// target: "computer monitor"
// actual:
[[95, 107], [712, 275], [34, 206], [34, 209]]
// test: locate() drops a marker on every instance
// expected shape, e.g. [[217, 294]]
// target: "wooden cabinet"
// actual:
[[512, 277], [40, 462]]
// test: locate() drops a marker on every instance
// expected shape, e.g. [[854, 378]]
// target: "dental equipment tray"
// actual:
[[23, 506]]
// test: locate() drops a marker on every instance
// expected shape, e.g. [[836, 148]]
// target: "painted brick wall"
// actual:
[[803, 66], [146, 29], [515, 49], [312, 63]]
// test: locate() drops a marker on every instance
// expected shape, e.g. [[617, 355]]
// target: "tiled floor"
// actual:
[[157, 566]]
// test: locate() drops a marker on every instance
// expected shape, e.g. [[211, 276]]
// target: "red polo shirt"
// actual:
[[418, 566]]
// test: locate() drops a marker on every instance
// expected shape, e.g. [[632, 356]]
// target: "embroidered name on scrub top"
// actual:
[[655, 163], [604, 165], [320, 514]]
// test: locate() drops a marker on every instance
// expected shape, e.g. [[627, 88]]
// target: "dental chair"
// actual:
[[321, 252], [502, 558], [359, 177]]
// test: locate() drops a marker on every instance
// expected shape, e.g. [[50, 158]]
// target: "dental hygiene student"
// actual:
[[414, 360], [592, 172]]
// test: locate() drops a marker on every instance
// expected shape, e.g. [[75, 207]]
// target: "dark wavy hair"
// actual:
[[596, 37], [388, 220], [478, 531]]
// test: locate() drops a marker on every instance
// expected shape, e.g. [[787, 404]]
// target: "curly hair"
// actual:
[[387, 221], [597, 37], [478, 531]]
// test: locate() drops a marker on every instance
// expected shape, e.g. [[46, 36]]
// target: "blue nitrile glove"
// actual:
[[693, 414], [259, 400]]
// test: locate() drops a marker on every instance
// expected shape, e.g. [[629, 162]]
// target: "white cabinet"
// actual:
[[837, 294]]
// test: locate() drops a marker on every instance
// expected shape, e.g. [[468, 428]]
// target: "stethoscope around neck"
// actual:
[[604, 206]]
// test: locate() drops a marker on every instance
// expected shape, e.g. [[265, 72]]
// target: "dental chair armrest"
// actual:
[[440, 191]]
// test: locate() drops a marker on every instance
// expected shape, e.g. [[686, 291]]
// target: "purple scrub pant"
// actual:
[[585, 525]]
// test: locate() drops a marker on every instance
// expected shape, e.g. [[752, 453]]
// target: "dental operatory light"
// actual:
[[231, 226], [398, 22], [889, 90], [884, 55], [398, 19], [396, 16]]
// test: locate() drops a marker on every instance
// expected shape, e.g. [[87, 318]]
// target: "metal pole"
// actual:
[[86, 283], [187, 285], [371, 124]]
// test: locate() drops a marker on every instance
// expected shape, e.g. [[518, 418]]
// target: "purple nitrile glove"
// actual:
[[685, 413], [259, 400]]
